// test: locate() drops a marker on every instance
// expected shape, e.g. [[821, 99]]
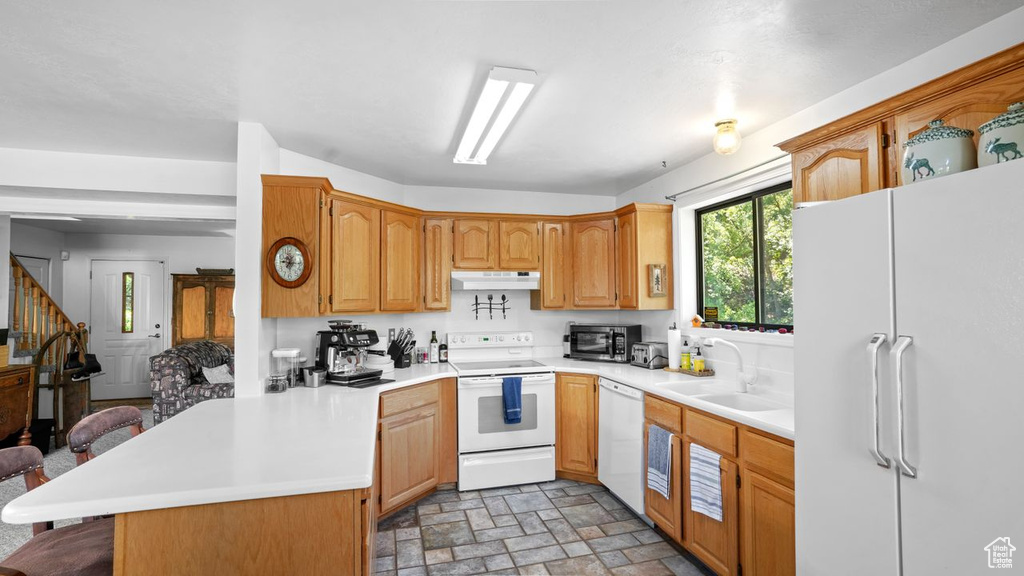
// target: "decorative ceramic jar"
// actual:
[[938, 151], [1002, 137]]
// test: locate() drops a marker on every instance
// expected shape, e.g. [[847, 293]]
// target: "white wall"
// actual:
[[28, 240], [255, 336], [181, 256], [344, 179], [5, 268]]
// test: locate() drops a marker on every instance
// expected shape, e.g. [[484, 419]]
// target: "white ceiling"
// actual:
[[384, 87]]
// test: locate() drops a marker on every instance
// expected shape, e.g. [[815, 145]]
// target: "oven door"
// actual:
[[592, 344], [482, 416]]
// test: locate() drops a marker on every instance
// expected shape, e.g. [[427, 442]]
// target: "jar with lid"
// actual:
[[284, 363]]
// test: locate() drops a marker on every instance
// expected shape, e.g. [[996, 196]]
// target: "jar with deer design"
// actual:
[[1002, 137], [937, 151]]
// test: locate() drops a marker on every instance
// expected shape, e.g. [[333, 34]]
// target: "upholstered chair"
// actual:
[[177, 381], [94, 426]]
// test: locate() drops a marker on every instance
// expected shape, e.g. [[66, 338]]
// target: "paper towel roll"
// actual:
[[675, 346]]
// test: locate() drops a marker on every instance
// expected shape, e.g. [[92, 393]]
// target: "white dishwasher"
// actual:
[[620, 443]]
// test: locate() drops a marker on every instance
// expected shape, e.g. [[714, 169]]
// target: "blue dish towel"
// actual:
[[512, 399], [705, 482], [659, 459]]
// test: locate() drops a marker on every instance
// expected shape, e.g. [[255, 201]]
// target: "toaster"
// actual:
[[650, 355]]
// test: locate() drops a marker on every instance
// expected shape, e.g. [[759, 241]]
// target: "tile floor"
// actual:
[[560, 527]]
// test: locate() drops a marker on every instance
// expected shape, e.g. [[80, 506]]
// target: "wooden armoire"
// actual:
[[203, 309]]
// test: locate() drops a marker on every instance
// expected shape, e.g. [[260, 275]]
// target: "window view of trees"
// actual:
[[747, 258]]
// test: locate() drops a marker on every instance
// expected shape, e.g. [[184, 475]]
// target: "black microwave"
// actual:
[[605, 342]]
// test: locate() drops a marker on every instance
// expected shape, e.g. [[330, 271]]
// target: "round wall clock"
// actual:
[[289, 263]]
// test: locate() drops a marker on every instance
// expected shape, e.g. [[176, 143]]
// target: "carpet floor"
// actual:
[[57, 462]]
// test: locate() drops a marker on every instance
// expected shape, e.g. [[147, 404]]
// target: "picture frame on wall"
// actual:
[[656, 280]]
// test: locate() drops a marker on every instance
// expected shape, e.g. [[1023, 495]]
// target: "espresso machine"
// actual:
[[342, 350]]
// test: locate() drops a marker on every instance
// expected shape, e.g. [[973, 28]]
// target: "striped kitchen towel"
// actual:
[[705, 482], [659, 459]]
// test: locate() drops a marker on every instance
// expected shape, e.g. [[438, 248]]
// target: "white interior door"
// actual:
[[846, 504], [960, 296], [126, 317]]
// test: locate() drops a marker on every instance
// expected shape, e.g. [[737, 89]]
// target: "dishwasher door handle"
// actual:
[[621, 389]]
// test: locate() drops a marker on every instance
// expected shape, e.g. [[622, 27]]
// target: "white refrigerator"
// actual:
[[910, 378]]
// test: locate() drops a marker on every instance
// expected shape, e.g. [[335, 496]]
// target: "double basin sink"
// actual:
[[706, 392]]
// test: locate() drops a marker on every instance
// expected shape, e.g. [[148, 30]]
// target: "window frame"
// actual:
[[758, 251]]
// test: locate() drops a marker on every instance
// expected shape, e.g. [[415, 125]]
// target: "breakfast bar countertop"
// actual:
[[303, 441]]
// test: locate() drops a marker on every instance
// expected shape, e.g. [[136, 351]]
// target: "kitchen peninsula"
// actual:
[[298, 467]]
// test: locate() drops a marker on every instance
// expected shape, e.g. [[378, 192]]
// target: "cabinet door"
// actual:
[[518, 245], [769, 527], [576, 424], [355, 257], [715, 543], [627, 273], [667, 513], [848, 165], [222, 314], [191, 311], [476, 244], [593, 263], [409, 455], [553, 273], [437, 265], [400, 262]]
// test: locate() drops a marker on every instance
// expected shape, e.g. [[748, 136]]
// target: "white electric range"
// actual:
[[491, 452]]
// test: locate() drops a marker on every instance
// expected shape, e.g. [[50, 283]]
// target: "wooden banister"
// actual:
[[31, 307]]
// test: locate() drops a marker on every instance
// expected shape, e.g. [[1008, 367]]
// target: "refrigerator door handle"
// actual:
[[901, 345], [873, 347]]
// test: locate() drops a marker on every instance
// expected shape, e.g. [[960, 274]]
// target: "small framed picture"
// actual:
[[656, 285]]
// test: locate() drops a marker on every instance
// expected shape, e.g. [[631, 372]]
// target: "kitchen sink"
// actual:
[[742, 402], [688, 388]]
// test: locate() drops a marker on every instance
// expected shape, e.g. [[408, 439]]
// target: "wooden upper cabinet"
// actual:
[[476, 244], [399, 262], [355, 257], [576, 424], [593, 263], [845, 166], [555, 275], [437, 264], [518, 245], [291, 209], [968, 108], [628, 274]]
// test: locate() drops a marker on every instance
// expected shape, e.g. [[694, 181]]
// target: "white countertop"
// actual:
[[303, 441]]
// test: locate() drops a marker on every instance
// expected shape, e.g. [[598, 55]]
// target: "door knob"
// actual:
[[157, 335]]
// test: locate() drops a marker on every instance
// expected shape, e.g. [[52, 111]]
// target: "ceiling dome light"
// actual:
[[727, 139]]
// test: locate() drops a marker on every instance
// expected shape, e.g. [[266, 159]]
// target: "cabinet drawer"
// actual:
[[768, 455], [16, 378], [401, 400], [710, 433], [665, 414]]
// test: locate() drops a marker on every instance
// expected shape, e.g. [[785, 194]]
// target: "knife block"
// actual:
[[401, 360]]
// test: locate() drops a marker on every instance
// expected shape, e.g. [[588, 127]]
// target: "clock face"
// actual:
[[289, 263]]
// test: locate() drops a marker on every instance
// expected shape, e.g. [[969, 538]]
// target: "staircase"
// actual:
[[36, 320]]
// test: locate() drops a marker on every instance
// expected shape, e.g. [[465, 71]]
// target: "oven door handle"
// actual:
[[477, 382]]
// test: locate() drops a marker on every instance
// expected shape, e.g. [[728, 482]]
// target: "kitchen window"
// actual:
[[745, 258]]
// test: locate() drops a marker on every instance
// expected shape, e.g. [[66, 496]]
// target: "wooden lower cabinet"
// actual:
[[576, 426], [328, 533], [416, 443], [17, 392], [769, 527], [716, 543], [757, 532]]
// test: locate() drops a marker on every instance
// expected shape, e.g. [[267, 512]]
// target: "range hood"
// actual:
[[495, 280]]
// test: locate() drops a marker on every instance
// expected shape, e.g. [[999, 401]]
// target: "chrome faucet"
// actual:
[[744, 379]]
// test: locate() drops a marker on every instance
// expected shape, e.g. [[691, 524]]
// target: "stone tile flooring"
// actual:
[[560, 527]]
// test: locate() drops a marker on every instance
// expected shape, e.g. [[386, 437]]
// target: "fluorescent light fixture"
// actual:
[[506, 91], [44, 217]]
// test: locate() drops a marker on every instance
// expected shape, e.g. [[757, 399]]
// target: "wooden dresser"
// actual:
[[16, 401], [203, 309]]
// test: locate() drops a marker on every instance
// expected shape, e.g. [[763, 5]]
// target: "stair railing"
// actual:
[[36, 315]]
